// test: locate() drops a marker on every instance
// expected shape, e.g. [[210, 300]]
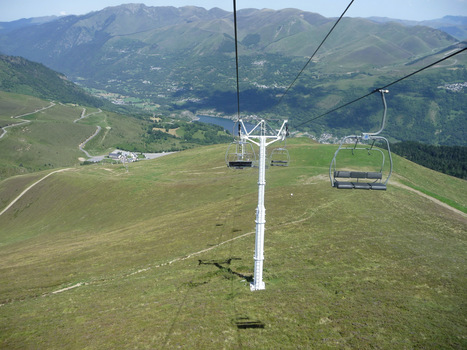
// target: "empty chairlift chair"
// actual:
[[240, 153], [360, 180], [280, 156], [364, 144]]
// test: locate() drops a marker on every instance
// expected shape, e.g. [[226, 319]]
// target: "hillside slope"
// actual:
[[37, 135], [161, 256], [22, 76]]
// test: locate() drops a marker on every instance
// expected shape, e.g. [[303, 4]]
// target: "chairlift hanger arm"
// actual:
[[250, 136], [383, 121]]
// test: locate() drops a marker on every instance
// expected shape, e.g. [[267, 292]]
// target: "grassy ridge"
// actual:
[[51, 138], [343, 269], [50, 133], [14, 104]]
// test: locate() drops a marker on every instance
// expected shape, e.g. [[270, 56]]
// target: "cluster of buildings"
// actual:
[[456, 87], [123, 156]]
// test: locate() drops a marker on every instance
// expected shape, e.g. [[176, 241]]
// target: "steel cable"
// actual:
[[381, 88]]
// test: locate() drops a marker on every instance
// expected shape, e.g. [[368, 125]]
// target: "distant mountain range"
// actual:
[[453, 25], [183, 59], [6, 27], [73, 44]]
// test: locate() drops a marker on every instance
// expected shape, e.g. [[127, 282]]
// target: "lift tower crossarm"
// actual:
[[258, 136]]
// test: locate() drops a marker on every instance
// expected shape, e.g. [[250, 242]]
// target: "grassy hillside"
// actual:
[[19, 75], [49, 138], [160, 257], [39, 135]]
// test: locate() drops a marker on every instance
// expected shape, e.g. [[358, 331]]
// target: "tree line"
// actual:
[[451, 160]]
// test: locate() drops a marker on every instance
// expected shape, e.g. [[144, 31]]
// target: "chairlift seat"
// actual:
[[279, 163], [357, 184], [378, 186], [360, 185], [280, 157], [343, 184], [358, 174], [240, 164]]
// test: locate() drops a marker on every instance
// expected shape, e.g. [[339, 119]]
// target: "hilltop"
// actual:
[[181, 59], [160, 257]]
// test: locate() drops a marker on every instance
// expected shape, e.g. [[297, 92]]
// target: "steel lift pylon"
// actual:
[[258, 136]]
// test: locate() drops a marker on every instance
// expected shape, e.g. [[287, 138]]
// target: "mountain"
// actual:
[[71, 43], [161, 257], [22, 76], [453, 25], [6, 27], [180, 59]]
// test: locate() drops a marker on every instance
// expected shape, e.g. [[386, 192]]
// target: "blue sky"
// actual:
[[402, 9]]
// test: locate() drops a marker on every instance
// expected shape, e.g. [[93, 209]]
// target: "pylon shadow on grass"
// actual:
[[219, 264]]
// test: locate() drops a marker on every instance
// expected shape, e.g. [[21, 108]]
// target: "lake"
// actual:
[[227, 124]]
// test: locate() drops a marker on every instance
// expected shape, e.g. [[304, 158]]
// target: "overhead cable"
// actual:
[[382, 88], [313, 55], [418, 71], [236, 57]]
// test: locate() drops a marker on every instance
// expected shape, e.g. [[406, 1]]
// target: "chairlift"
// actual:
[[280, 156], [356, 145], [240, 153]]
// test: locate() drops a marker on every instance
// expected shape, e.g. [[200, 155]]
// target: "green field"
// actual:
[[161, 256]]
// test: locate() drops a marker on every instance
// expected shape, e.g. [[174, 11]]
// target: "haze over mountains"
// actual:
[[182, 59]]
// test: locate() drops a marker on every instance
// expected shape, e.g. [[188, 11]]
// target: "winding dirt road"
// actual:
[[23, 121], [83, 144]]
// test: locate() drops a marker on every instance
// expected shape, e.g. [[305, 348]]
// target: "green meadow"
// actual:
[[161, 256]]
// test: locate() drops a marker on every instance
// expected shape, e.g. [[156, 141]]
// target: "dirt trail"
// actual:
[[27, 189], [434, 200], [22, 120], [84, 115]]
